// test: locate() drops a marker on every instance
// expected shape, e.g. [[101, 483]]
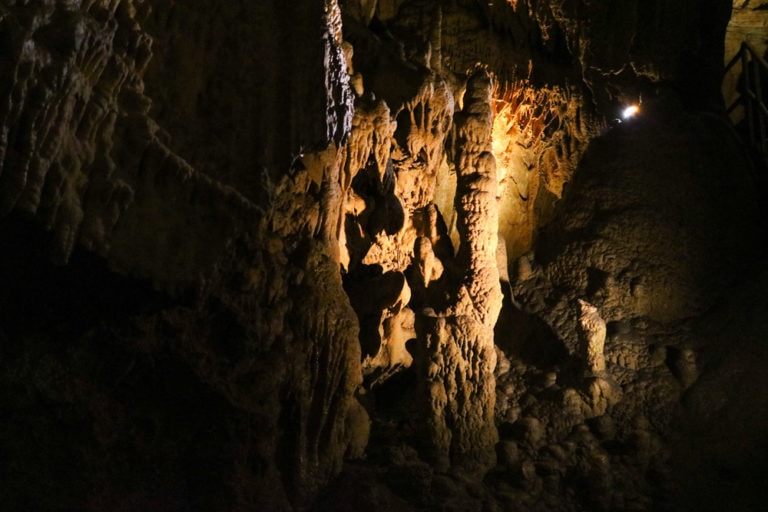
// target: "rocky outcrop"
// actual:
[[619, 280]]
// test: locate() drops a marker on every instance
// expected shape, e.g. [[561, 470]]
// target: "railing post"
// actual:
[[753, 97], [737, 99]]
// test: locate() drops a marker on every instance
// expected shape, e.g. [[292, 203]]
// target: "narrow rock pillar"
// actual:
[[460, 356]]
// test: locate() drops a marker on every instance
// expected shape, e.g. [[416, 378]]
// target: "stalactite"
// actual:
[[539, 134]]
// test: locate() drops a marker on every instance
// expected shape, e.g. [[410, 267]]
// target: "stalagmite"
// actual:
[[591, 337], [460, 355]]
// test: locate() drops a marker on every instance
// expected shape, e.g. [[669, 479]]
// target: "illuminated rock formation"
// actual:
[[253, 254], [635, 255], [460, 356], [591, 331]]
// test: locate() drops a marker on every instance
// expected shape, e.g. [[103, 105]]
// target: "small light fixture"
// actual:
[[630, 112]]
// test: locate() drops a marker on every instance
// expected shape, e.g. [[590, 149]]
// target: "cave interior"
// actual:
[[385, 255]]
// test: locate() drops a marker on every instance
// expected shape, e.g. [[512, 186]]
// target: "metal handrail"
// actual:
[[752, 96]]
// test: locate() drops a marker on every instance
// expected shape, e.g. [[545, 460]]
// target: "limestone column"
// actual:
[[460, 356]]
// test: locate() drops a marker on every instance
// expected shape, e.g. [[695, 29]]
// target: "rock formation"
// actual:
[[374, 254], [234, 241], [460, 356], [591, 330]]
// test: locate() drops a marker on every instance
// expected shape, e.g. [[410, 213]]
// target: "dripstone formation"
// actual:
[[376, 255]]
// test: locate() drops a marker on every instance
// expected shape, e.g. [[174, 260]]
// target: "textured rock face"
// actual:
[[279, 233], [620, 249], [235, 248], [620, 280]]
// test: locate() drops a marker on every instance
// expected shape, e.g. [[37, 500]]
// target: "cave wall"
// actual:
[[232, 223], [212, 219]]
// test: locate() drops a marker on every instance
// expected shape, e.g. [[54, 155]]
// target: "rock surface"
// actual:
[[375, 254], [232, 246]]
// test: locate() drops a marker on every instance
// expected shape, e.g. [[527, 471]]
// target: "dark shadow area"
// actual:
[[370, 292], [36, 294], [98, 409], [527, 337], [386, 213]]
